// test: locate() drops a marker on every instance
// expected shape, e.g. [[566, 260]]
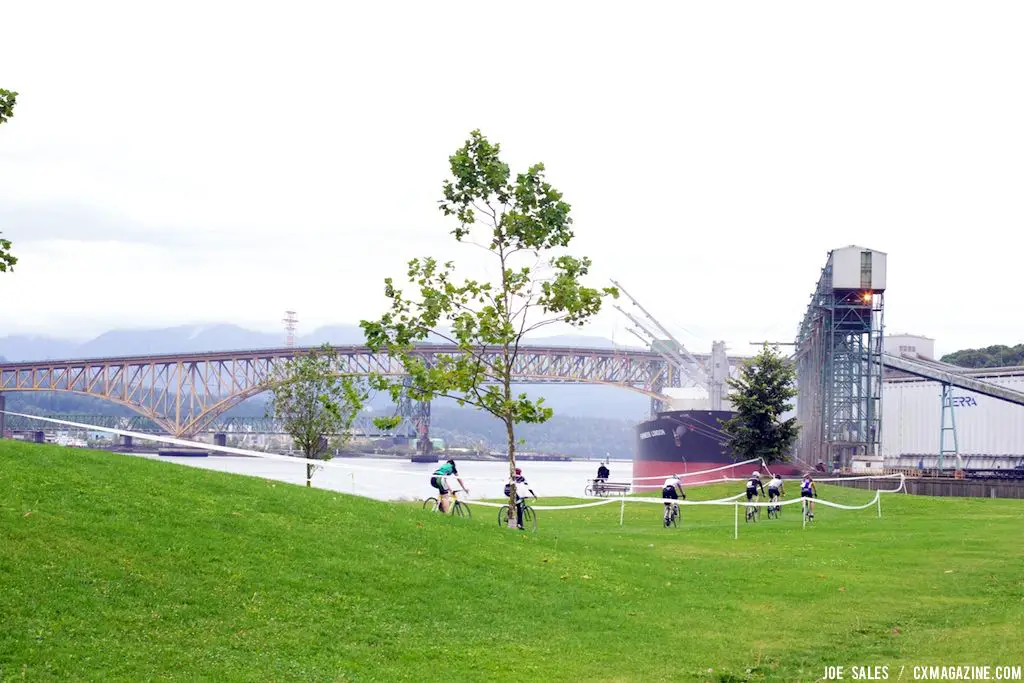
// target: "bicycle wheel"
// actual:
[[529, 518], [588, 491], [503, 516], [430, 504], [675, 516], [462, 510]]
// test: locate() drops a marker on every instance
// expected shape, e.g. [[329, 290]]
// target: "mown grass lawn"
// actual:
[[114, 567]]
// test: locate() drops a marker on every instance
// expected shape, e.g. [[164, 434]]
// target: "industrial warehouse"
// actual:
[[926, 429]]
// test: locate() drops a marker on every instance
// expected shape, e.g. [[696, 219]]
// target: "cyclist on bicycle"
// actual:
[[672, 488], [439, 481], [752, 484], [775, 490], [521, 485], [809, 490]]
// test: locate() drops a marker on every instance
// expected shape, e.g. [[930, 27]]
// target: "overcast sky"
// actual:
[[215, 161]]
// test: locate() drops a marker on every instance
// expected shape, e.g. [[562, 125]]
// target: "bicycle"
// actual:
[[774, 510], [671, 515], [753, 513], [457, 507], [529, 517]]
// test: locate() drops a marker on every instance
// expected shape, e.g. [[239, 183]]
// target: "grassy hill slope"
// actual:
[[114, 567]]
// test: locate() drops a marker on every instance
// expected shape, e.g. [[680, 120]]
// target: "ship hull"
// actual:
[[686, 442]]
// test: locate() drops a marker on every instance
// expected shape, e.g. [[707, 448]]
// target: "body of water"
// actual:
[[388, 479]]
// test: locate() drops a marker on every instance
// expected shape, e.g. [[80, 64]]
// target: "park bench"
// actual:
[[604, 488]]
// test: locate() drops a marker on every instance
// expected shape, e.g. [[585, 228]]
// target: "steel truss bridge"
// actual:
[[185, 394]]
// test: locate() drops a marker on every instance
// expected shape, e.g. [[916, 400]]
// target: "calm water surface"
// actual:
[[386, 479]]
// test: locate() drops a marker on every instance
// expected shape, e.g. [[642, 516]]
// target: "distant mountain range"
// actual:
[[572, 400]]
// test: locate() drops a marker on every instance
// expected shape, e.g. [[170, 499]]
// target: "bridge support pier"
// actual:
[[3, 421], [220, 439], [39, 437], [421, 420], [126, 441]]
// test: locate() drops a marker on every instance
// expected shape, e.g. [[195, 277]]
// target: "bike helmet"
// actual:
[[451, 462], [756, 474], [519, 470]]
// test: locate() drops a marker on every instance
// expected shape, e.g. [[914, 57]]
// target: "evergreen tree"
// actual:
[[766, 383]]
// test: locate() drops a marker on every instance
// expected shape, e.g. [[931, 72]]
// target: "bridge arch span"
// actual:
[[184, 393]]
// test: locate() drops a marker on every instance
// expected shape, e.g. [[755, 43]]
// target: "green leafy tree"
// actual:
[[761, 394], [314, 401], [7, 259], [7, 101], [996, 356], [525, 228]]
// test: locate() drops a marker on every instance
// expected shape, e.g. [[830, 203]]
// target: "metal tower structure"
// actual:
[[839, 360], [948, 430], [289, 326]]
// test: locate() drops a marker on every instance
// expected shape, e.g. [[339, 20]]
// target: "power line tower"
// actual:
[[839, 360], [289, 326]]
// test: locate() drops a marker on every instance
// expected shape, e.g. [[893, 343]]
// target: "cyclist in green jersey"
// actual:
[[439, 482]]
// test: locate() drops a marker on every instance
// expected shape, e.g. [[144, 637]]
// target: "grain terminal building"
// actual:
[[989, 433]]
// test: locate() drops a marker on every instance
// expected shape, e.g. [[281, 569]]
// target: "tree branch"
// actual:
[[543, 323], [478, 355]]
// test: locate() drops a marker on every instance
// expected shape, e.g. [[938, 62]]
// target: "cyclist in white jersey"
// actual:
[[672, 488], [775, 489]]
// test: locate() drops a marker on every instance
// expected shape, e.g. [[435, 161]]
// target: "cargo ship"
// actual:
[[684, 442]]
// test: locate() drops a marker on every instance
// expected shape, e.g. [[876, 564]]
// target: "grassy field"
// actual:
[[114, 567]]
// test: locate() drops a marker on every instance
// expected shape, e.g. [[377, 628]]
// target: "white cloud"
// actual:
[[248, 159]]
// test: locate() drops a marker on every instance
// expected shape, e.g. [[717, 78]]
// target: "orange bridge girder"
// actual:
[[185, 392]]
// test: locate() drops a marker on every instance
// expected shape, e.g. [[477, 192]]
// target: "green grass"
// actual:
[[119, 568]]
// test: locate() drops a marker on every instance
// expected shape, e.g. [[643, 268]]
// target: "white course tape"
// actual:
[[680, 501], [286, 458], [713, 469], [731, 500], [237, 451], [865, 476], [709, 482], [489, 504]]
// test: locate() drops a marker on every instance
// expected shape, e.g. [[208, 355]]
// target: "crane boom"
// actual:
[[689, 365]]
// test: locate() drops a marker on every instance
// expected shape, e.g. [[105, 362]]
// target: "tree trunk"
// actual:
[[511, 474], [310, 454]]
